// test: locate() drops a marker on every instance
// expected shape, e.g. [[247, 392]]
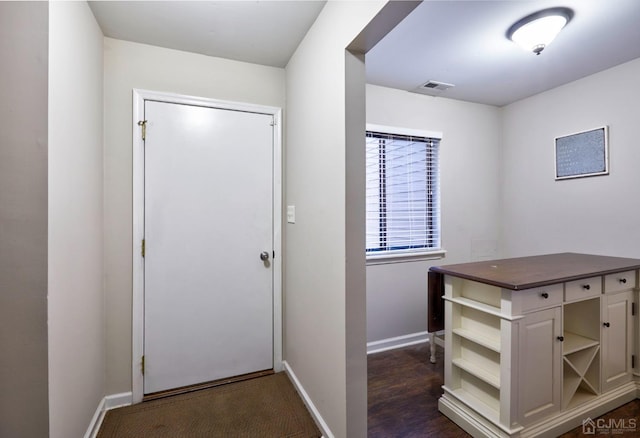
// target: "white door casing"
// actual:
[[211, 254]]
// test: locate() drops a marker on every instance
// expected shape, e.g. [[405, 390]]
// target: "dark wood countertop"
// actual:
[[536, 271]]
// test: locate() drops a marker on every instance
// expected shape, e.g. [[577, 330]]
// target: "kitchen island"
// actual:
[[535, 345]]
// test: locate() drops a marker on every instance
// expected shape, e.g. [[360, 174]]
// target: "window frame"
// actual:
[[404, 255]]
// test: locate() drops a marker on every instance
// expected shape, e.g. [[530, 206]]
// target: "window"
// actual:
[[402, 190]]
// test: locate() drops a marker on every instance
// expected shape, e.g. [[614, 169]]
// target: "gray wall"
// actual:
[[76, 267], [596, 215], [324, 279], [470, 168], [23, 219]]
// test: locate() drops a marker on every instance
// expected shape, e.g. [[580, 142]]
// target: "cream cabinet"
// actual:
[[533, 346], [617, 323], [540, 356], [580, 351]]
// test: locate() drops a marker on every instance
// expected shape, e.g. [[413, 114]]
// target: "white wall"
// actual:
[[325, 327], [470, 169], [596, 215], [76, 274], [23, 219], [128, 66]]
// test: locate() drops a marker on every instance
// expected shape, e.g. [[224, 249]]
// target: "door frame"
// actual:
[[139, 97]]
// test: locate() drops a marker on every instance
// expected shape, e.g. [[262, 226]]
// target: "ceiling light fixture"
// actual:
[[535, 31]]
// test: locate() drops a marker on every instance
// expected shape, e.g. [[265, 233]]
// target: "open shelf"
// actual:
[[579, 384], [477, 360], [478, 372], [581, 359], [476, 329], [478, 292], [571, 381], [581, 352], [492, 310], [477, 337], [481, 405], [476, 393], [574, 342], [579, 387], [477, 326], [582, 395]]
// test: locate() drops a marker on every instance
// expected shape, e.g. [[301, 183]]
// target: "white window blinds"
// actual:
[[403, 208]]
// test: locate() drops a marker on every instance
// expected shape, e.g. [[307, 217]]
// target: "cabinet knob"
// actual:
[[561, 338], [586, 286], [622, 280], [606, 324], [544, 295]]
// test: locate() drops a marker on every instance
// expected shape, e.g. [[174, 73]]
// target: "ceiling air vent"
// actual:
[[435, 85], [432, 88]]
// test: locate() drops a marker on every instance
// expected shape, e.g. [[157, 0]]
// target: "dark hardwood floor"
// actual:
[[403, 390]]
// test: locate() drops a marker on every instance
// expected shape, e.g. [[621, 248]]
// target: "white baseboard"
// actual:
[[109, 402], [96, 421], [118, 400], [324, 428], [397, 342]]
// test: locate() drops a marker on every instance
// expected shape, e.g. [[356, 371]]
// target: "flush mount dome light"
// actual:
[[534, 32]]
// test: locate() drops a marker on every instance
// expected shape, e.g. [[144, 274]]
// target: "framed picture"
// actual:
[[582, 154]]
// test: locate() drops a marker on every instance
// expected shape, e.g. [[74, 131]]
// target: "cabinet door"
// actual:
[[540, 360], [616, 340]]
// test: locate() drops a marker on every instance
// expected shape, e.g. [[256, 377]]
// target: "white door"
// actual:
[[208, 295]]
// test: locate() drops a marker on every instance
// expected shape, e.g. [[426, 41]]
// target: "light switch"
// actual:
[[291, 214]]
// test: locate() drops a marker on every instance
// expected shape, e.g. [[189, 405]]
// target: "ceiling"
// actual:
[[260, 32], [453, 41], [464, 43]]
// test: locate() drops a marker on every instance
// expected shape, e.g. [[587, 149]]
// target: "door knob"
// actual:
[[264, 256]]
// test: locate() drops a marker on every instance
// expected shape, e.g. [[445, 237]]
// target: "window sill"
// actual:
[[403, 257]]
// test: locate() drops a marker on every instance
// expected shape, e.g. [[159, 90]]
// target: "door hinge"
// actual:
[[143, 248], [633, 309], [142, 365], [633, 361], [143, 123]]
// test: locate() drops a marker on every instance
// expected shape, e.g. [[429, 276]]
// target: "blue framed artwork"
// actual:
[[582, 154]]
